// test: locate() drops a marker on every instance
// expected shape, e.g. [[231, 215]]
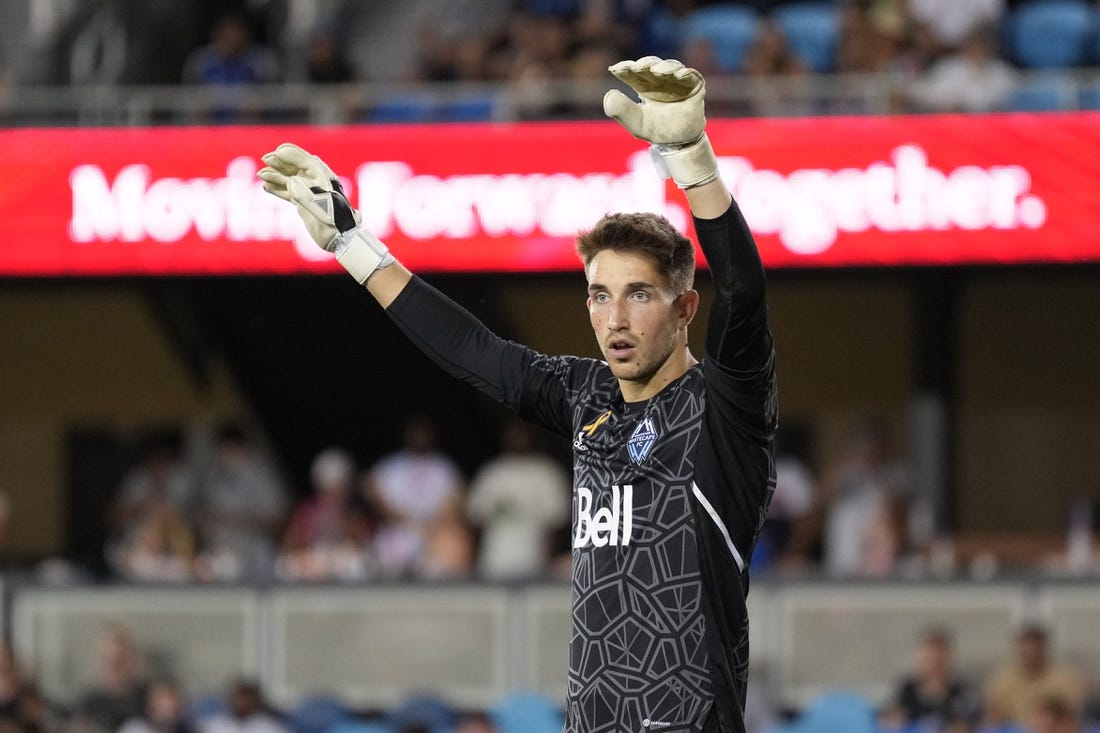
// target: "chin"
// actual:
[[630, 372]]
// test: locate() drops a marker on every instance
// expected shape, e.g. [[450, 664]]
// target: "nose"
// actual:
[[617, 319]]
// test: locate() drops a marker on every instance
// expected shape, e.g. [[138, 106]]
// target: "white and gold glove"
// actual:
[[669, 116], [304, 180]]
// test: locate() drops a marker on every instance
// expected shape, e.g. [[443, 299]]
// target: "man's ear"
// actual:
[[688, 306]]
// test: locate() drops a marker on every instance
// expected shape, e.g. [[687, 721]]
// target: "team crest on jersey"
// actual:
[[642, 440]]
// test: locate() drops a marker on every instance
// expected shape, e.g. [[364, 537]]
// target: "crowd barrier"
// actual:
[[374, 645]]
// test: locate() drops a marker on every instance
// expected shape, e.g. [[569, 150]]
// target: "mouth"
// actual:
[[620, 349]]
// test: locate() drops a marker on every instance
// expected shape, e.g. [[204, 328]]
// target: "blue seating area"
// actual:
[[812, 29], [1050, 34], [1043, 93], [520, 712], [1089, 97], [833, 712], [730, 28], [423, 108]]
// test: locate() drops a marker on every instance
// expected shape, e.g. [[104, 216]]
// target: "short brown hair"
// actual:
[[646, 234]]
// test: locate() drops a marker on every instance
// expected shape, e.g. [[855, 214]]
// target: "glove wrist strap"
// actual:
[[361, 253], [688, 165]]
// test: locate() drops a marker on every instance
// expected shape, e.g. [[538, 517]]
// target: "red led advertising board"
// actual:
[[825, 192]]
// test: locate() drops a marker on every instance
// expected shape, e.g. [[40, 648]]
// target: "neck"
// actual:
[[676, 366]]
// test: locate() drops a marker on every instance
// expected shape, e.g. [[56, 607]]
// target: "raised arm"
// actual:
[[510, 373], [670, 116]]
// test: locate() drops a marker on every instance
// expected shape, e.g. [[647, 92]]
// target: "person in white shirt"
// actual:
[[974, 79], [415, 490], [517, 498], [953, 21], [246, 713], [241, 506], [164, 711]]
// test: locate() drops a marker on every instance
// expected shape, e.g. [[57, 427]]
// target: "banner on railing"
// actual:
[[858, 191]]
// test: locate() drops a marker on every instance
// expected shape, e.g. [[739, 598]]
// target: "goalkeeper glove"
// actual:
[[670, 116], [294, 175]]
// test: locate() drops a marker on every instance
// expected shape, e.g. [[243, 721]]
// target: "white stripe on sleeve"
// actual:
[[720, 524]]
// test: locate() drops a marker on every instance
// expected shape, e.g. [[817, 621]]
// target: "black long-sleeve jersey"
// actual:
[[669, 496]]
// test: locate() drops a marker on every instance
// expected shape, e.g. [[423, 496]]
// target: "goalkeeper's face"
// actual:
[[639, 321]]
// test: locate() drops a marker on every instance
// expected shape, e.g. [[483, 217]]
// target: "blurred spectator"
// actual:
[[475, 723], [11, 685], [165, 711], [1053, 715], [769, 53], [517, 498], [533, 42], [118, 692], [448, 550], [698, 53], [328, 536], [326, 62], [161, 548], [22, 708], [412, 489], [614, 25], [159, 479], [455, 37], [767, 57], [1014, 692], [783, 538], [952, 22], [151, 539], [864, 495], [974, 79], [232, 57], [5, 523], [932, 696], [246, 712], [240, 506]]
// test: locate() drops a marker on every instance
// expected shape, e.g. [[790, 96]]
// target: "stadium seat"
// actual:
[[423, 711], [1049, 34], [833, 712], [662, 34], [1042, 94], [1094, 50], [474, 108], [729, 28], [1090, 97], [361, 726], [811, 29], [317, 715], [402, 109], [206, 706], [563, 8], [524, 712]]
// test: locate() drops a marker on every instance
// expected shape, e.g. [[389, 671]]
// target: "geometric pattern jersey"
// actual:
[[669, 496], [637, 652]]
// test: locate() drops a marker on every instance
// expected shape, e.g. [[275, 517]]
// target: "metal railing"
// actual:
[[824, 94]]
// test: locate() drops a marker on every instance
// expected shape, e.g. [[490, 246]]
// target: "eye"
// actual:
[[601, 298], [640, 296]]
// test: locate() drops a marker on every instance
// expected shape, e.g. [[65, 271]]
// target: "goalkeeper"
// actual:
[[672, 458]]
